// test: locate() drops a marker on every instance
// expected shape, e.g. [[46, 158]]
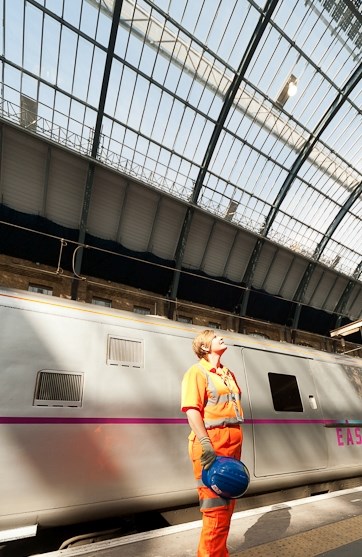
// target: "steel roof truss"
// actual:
[[228, 103]]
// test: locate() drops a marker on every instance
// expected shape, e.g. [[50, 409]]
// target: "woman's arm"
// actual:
[[196, 423]]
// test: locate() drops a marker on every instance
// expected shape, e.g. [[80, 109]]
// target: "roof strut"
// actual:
[[229, 99], [299, 161], [96, 140], [303, 285], [343, 301]]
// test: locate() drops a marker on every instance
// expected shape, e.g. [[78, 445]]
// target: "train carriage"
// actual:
[[91, 425]]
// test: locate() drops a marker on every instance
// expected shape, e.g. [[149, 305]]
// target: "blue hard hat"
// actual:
[[228, 477]]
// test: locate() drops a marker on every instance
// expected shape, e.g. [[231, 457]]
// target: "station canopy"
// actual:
[[249, 110]]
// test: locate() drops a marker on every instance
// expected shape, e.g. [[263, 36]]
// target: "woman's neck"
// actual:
[[214, 360]]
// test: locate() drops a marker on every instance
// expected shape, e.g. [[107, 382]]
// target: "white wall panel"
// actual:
[[106, 204], [167, 228], [23, 171], [137, 217], [67, 179]]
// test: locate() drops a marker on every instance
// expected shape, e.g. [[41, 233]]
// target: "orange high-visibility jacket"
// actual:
[[215, 393]]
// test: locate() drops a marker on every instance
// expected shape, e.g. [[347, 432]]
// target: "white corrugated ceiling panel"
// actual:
[[322, 289], [315, 280], [66, 188], [218, 249], [196, 243], [265, 260], [137, 218], [23, 171], [240, 255], [293, 278], [331, 296], [167, 228], [354, 306], [278, 272], [106, 204]]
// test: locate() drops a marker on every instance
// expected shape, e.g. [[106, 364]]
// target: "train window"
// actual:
[[125, 352], [285, 392], [40, 289], [214, 325], [184, 319], [58, 388], [102, 302], [258, 335], [142, 310]]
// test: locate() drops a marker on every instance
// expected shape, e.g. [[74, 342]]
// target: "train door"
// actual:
[[286, 418]]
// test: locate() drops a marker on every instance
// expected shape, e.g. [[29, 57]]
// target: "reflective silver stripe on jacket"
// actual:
[[216, 398]]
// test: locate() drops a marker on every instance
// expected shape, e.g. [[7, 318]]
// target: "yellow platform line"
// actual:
[[310, 543]]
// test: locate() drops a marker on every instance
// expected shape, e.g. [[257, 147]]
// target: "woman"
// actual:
[[211, 400]]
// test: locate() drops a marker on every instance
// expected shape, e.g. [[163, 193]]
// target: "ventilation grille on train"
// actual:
[[56, 388], [125, 352]]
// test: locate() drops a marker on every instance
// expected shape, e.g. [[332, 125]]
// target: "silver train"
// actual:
[[91, 425]]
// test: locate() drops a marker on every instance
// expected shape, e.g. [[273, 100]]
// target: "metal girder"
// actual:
[[46, 180], [155, 220], [1, 160], [228, 103], [172, 46], [347, 329], [336, 221], [303, 285], [211, 233], [343, 301], [300, 160], [96, 138], [309, 144]]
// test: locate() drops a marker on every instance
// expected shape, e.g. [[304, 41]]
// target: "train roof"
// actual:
[[22, 299]]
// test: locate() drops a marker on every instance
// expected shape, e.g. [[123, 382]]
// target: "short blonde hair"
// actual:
[[202, 339]]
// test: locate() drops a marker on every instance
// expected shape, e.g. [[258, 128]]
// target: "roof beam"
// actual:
[[228, 103], [46, 180], [266, 114], [309, 144], [303, 285], [337, 220], [299, 161], [343, 301], [97, 133], [347, 329]]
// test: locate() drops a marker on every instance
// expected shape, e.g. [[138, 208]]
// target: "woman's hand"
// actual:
[[208, 454]]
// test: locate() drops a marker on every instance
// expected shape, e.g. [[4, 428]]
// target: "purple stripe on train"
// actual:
[[177, 421]]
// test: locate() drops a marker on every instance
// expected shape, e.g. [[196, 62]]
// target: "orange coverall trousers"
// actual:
[[216, 511]]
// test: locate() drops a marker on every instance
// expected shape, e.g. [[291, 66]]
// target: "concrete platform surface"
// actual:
[[328, 525]]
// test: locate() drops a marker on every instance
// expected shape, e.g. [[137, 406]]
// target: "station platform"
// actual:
[[328, 525]]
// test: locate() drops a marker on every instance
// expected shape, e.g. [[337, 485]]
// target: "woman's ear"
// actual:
[[205, 348]]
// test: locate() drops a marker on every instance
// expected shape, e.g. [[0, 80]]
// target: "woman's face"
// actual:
[[217, 345]]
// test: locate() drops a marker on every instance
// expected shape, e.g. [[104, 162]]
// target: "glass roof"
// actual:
[[192, 100]]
